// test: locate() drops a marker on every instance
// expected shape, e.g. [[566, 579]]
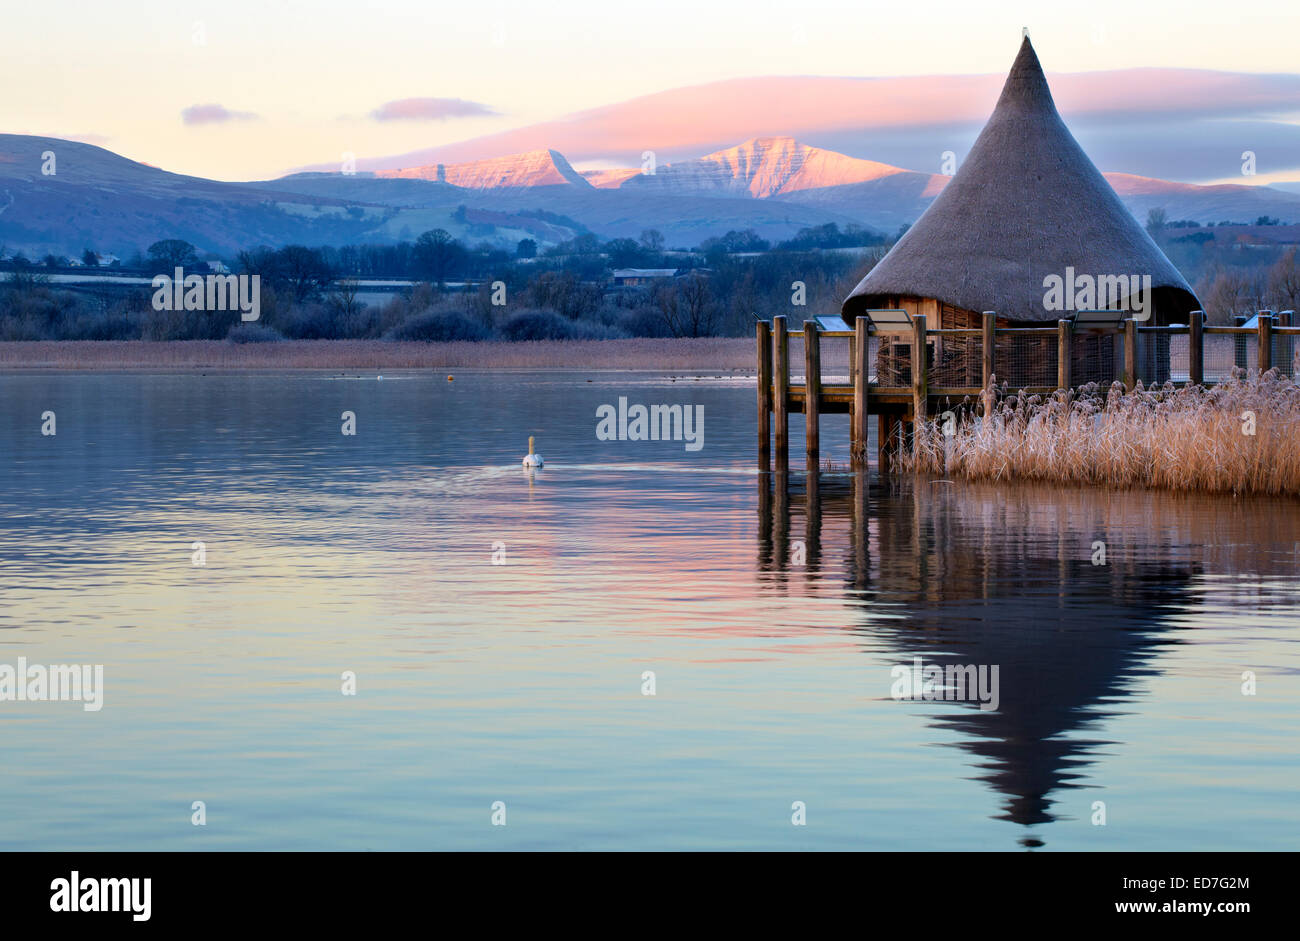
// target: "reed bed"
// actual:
[[1191, 439], [658, 354]]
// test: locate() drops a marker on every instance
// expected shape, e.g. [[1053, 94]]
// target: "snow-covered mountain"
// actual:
[[517, 171], [761, 168], [773, 185]]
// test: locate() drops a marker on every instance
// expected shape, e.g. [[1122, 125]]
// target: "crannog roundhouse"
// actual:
[[1026, 205]]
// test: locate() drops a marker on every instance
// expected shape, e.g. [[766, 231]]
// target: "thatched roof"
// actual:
[[1026, 203]]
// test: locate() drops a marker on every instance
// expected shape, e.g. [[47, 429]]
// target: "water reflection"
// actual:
[[1070, 593], [376, 554]]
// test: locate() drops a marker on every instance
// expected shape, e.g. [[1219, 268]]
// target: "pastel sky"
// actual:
[[247, 89]]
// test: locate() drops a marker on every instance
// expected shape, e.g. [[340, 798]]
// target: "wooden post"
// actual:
[[1064, 328], [861, 345], [1265, 341], [1196, 348], [764, 331], [1130, 354], [812, 391], [919, 385], [781, 392], [990, 335]]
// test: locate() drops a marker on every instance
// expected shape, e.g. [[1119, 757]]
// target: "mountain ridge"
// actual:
[[774, 185]]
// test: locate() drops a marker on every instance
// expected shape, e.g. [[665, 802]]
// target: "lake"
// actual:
[[504, 632]]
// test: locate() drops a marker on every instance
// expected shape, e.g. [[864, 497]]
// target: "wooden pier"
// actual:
[[1192, 353]]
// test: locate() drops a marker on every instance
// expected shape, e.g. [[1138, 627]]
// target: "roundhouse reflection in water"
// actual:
[[958, 574]]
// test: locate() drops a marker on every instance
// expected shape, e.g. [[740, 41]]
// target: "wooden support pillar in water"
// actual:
[[1064, 330], [1196, 347], [1130, 354], [920, 354], [990, 336], [1265, 341], [858, 420], [781, 392], [764, 395], [812, 392]]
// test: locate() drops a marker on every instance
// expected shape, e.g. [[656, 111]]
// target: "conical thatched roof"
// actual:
[[1026, 203]]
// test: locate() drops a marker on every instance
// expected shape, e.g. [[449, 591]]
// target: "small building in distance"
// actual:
[[1026, 205], [639, 277]]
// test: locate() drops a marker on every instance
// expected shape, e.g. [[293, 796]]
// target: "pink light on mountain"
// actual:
[[686, 122]]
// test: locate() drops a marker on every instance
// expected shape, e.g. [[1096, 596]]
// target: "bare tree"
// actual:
[[1156, 219], [344, 297], [1226, 292], [687, 306], [1284, 281]]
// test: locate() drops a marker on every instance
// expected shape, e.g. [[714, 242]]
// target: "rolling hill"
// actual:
[[773, 185]]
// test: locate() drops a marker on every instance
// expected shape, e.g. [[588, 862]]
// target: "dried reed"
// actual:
[[1240, 436]]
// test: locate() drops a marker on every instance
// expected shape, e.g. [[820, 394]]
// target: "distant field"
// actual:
[[707, 353]]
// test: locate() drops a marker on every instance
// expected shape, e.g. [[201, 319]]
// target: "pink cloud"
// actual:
[[694, 120], [213, 114], [430, 109]]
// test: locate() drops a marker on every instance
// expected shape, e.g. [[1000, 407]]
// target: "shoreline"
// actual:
[[707, 353]]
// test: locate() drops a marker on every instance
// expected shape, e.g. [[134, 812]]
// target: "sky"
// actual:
[[248, 89]]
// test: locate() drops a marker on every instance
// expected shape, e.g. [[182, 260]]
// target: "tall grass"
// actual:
[[1192, 438]]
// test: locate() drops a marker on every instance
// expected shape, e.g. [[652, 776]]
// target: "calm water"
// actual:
[[770, 619]]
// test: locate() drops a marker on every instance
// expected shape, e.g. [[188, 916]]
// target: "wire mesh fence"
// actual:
[[1095, 357], [1025, 359], [956, 361], [1028, 357], [834, 353], [1223, 352], [798, 361], [1286, 351], [1180, 357], [892, 356], [1154, 358]]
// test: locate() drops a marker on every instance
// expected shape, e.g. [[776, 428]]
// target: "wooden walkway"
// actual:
[[1272, 342]]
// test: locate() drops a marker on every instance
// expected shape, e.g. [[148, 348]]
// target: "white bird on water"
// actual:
[[532, 460]]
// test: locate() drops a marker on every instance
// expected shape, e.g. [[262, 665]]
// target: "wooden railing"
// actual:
[[777, 397]]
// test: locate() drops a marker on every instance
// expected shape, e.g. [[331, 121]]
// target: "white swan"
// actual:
[[532, 460]]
